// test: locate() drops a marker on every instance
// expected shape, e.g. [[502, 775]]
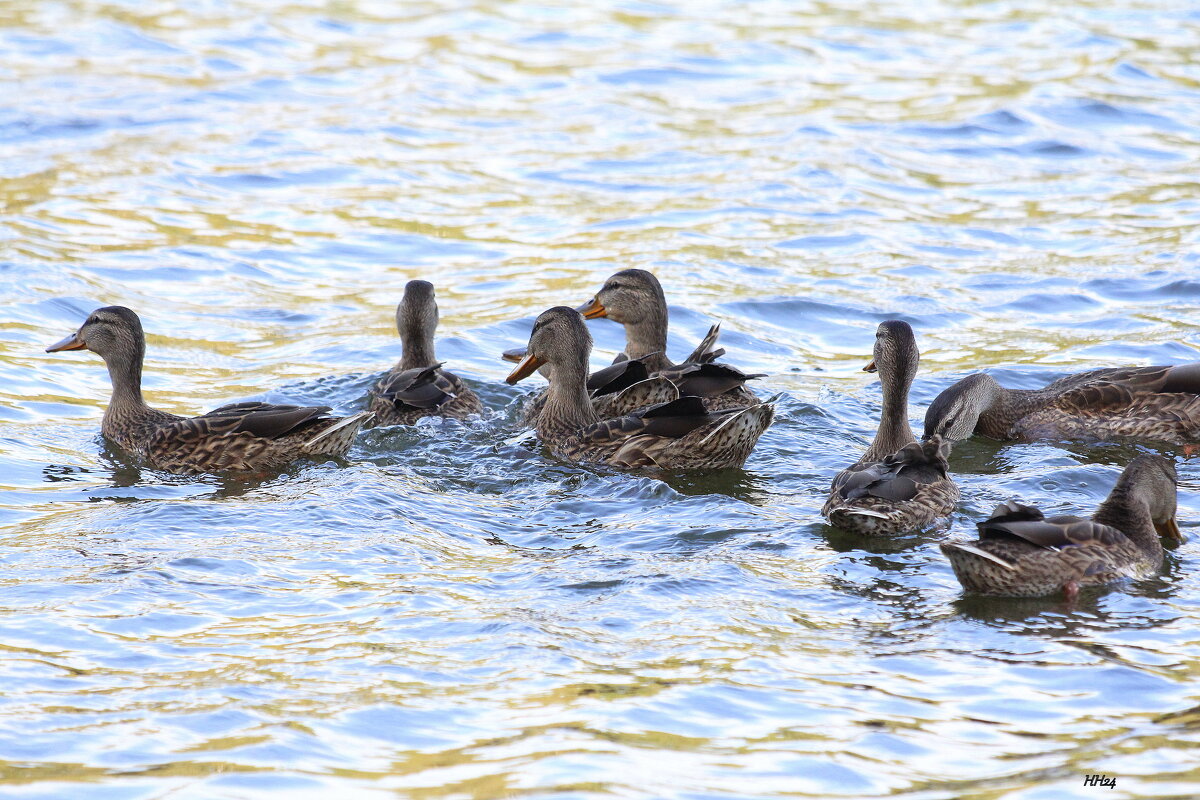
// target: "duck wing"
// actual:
[[900, 476], [420, 387], [264, 420]]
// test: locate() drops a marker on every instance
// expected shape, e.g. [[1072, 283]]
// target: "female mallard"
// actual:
[[1161, 403], [1021, 553], [242, 436], [899, 484], [680, 434], [418, 386], [634, 298]]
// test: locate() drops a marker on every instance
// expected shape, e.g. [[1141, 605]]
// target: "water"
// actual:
[[446, 615]]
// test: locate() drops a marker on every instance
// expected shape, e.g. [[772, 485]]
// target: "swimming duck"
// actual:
[[418, 386], [1161, 403], [899, 484], [1022, 553], [241, 436], [634, 298], [680, 434]]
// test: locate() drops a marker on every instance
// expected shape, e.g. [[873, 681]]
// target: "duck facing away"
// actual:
[[1022, 553], [1160, 403], [634, 298], [899, 484], [237, 437], [679, 434], [418, 386]]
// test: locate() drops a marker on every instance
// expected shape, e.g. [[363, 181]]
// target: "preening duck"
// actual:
[[1022, 553], [1159, 403]]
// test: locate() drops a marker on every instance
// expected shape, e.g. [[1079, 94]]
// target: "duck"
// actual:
[[1022, 553], [233, 438], [635, 299], [418, 386], [1156, 403], [677, 434], [899, 485]]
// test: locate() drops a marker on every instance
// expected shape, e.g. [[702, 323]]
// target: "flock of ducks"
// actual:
[[646, 411]]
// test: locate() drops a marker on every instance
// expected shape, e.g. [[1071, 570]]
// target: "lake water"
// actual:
[[448, 616]]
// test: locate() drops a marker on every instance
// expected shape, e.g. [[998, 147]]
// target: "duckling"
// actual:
[[418, 386], [899, 484], [237, 437], [634, 298], [680, 434], [1160, 403], [1022, 553]]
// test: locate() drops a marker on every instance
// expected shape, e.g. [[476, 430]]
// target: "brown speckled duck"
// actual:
[[899, 484], [1022, 553], [680, 434], [634, 298], [1159, 403], [418, 386], [237, 437]]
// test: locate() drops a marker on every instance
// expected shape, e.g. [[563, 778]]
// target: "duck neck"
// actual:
[[1130, 514], [568, 408], [125, 372], [646, 337], [418, 351], [894, 430]]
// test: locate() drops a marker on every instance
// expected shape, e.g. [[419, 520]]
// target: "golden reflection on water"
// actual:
[[444, 617]]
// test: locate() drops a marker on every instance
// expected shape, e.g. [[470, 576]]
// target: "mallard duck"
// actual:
[[242, 436], [418, 386], [1021, 553], [680, 434], [899, 484], [634, 298], [1161, 403]]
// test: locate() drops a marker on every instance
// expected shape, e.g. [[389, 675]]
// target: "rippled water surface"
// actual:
[[447, 615]]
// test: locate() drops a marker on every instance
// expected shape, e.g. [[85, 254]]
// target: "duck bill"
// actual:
[[515, 355], [1169, 529], [592, 309], [72, 342], [527, 367], [870, 367]]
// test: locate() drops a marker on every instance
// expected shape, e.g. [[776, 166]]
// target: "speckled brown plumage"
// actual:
[[417, 386], [236, 437], [634, 298], [1153, 403], [899, 485], [680, 434], [1022, 553]]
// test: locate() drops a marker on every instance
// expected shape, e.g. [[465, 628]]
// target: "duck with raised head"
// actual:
[[680, 434], [418, 386], [237, 437], [899, 484], [1023, 553], [1157, 403], [634, 298]]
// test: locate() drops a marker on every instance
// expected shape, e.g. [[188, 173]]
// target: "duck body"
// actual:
[[1153, 403], [1022, 553], [899, 485], [673, 433], [418, 386], [635, 299], [237, 437], [908, 490]]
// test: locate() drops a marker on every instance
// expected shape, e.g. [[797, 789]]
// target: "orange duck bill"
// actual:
[[525, 368], [592, 309], [72, 342], [1169, 529], [870, 367]]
